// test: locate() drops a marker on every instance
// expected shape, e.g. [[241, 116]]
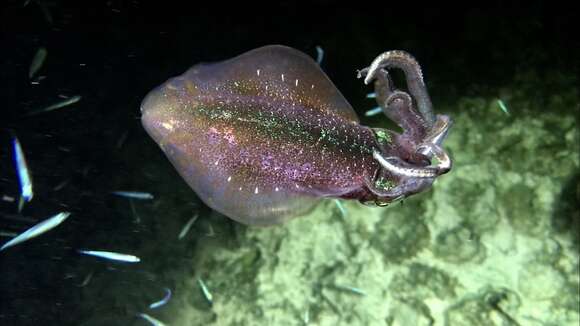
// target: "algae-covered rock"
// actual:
[[522, 209], [458, 245], [401, 234], [409, 313], [474, 198], [540, 282], [489, 306], [421, 282]]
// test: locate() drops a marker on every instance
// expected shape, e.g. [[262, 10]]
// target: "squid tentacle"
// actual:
[[407, 63]]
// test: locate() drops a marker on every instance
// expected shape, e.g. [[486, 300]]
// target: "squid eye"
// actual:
[[425, 161], [384, 184]]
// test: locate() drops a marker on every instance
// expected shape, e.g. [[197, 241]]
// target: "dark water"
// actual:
[[112, 53]]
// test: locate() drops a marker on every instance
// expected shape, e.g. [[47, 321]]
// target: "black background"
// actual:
[[113, 52]]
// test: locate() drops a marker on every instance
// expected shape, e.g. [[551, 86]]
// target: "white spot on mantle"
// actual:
[[167, 126]]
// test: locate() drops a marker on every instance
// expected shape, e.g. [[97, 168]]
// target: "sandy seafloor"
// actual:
[[494, 242]]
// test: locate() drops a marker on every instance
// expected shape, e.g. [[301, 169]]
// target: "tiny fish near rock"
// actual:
[[265, 136]]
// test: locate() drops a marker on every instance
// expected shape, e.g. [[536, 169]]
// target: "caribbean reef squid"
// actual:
[[265, 136]]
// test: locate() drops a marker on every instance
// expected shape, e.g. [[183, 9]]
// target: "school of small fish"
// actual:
[[24, 175]]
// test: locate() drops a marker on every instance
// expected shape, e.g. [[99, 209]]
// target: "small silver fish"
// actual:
[[306, 318], [57, 105], [205, 291], [163, 301], [350, 289], [37, 230], [374, 111], [122, 139], [61, 185], [153, 321], [319, 55], [45, 12], [340, 206], [186, 227], [26, 193], [136, 217], [37, 62], [503, 107], [210, 232], [8, 234], [372, 95], [7, 198], [133, 194], [86, 280], [111, 256]]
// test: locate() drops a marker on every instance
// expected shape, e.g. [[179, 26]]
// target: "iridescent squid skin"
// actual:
[[265, 136]]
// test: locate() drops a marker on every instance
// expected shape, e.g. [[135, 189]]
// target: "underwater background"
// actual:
[[493, 242]]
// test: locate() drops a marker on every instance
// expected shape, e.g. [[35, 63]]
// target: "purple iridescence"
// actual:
[[260, 137]]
